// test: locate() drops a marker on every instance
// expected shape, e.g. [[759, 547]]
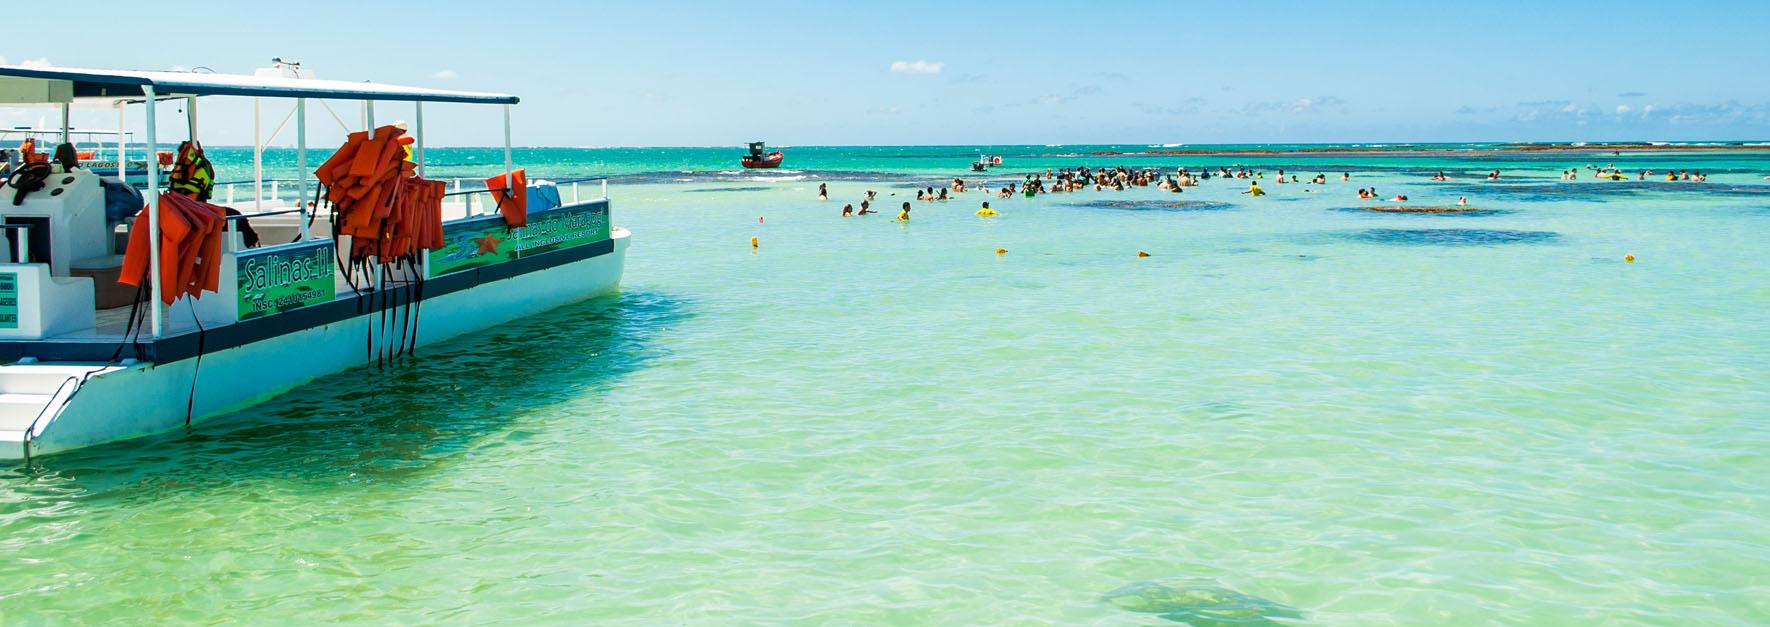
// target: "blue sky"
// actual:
[[677, 73]]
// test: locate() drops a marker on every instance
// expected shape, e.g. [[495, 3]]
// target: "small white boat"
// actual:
[[87, 361]]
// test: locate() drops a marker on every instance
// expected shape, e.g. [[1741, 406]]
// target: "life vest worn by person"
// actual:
[[28, 150], [511, 193], [192, 175]]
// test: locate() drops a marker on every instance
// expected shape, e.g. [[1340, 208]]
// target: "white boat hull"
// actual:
[[125, 402]]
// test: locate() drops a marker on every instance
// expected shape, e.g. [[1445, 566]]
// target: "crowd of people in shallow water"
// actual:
[[1612, 173], [1120, 178]]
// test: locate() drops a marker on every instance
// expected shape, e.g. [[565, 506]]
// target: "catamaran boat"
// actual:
[[90, 149], [113, 328]]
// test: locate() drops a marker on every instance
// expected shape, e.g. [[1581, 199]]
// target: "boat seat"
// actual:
[[104, 272]]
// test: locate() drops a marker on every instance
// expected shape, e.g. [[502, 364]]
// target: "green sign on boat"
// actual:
[[284, 279], [8, 300], [469, 244]]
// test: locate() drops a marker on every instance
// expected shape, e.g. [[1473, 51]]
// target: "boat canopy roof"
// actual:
[[38, 85]]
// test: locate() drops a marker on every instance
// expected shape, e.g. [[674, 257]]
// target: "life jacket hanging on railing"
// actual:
[[192, 175], [190, 248], [387, 210], [514, 206]]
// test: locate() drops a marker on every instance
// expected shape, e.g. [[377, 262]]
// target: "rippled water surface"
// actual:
[[1287, 413]]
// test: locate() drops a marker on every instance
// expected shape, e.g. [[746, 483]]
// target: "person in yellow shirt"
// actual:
[[1254, 190], [904, 214], [985, 211]]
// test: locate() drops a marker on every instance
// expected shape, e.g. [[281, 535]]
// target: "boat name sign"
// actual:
[[283, 279]]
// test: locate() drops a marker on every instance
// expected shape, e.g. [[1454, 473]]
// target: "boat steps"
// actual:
[[28, 390]]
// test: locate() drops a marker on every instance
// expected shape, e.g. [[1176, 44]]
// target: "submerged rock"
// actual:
[[1155, 205], [1199, 604], [1402, 209], [1455, 237]]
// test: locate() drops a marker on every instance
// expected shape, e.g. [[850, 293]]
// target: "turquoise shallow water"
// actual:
[[1326, 415]]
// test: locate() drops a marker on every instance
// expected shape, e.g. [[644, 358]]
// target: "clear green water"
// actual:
[[1290, 411]]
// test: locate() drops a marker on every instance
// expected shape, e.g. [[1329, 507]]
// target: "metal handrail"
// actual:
[[244, 216], [245, 181], [30, 431]]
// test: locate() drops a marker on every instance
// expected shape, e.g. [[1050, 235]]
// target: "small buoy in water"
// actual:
[[1001, 251], [1629, 258], [754, 243], [1142, 254]]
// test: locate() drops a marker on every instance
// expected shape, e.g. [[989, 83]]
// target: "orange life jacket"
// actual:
[[190, 247], [514, 204], [383, 206]]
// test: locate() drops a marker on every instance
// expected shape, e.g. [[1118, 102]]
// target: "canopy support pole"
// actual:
[[418, 136], [301, 163], [509, 179], [65, 128], [122, 143], [153, 207], [190, 116], [257, 154]]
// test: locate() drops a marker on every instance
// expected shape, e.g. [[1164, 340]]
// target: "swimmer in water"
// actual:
[[847, 210], [823, 191], [865, 208], [986, 211], [904, 214], [1254, 190], [1462, 201]]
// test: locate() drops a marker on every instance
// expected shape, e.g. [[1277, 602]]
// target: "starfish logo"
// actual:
[[488, 244]]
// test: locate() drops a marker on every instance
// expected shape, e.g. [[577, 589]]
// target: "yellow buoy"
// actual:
[[1001, 251], [754, 243], [1630, 258], [1142, 254]]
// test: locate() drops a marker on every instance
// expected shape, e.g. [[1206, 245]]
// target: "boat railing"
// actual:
[[467, 195], [21, 250], [31, 431], [230, 198]]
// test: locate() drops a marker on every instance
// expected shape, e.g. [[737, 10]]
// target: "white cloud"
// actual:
[[444, 74], [2, 60], [37, 62], [917, 67], [1621, 109]]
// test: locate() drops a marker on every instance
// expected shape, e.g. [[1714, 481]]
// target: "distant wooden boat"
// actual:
[[756, 158]]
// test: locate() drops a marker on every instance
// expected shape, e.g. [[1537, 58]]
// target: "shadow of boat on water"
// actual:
[[368, 425], [1200, 604]]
